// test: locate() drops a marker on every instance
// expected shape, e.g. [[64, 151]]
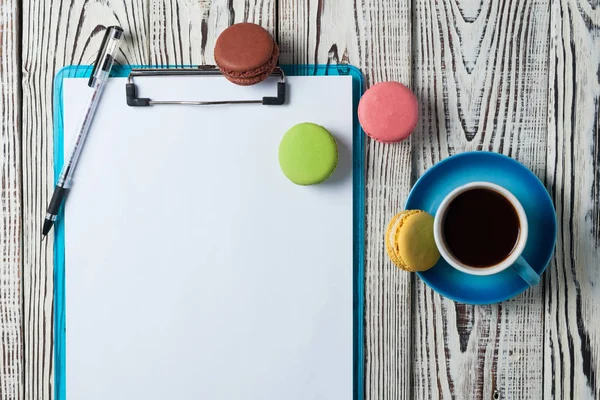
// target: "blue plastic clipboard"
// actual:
[[358, 213]]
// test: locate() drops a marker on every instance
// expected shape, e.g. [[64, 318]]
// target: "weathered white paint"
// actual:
[[480, 73], [11, 354], [184, 32], [572, 307], [518, 77]]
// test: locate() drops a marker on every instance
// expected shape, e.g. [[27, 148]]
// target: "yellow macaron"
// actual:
[[409, 241]]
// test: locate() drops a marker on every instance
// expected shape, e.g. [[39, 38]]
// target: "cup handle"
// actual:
[[525, 271]]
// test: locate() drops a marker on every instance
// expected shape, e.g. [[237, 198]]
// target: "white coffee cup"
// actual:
[[514, 259]]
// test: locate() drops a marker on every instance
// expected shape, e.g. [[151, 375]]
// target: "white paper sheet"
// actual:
[[194, 268]]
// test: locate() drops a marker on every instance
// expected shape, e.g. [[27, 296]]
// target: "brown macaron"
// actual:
[[246, 53]]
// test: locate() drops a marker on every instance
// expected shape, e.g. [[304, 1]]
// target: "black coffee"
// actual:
[[481, 227]]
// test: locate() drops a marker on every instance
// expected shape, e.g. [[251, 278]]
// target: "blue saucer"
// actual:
[[442, 178]]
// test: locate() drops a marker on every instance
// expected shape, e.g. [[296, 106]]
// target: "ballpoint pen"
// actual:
[[97, 82]]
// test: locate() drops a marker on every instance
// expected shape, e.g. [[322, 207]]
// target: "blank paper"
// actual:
[[194, 268]]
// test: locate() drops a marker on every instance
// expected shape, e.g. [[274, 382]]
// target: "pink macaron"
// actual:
[[388, 112]]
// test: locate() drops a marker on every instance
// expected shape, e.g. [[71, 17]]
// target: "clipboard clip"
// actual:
[[204, 70]]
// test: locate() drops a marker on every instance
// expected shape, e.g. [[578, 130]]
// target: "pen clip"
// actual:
[[111, 31]]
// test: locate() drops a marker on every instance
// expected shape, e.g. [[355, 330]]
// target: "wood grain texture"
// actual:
[[481, 79], [11, 349], [183, 32], [56, 34], [516, 77], [376, 37], [572, 308]]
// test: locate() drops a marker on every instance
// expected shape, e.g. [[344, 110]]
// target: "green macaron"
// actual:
[[308, 154]]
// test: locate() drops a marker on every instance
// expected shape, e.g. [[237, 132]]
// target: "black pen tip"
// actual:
[[43, 236]]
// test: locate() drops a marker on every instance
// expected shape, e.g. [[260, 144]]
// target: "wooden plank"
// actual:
[[376, 37], [184, 32], [572, 308], [56, 34], [11, 365], [481, 79]]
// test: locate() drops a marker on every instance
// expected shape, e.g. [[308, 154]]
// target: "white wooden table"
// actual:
[[519, 77]]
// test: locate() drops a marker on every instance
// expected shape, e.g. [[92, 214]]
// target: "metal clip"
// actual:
[[204, 70]]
